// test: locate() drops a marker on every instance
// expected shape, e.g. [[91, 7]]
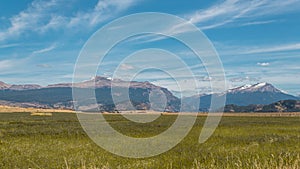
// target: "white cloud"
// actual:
[[9, 45], [5, 64], [263, 64], [103, 10], [219, 14], [54, 23], [50, 48], [230, 11], [9, 65], [258, 22], [228, 49], [44, 65], [126, 67], [278, 48]]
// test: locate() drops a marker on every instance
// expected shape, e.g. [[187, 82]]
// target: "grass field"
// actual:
[[58, 141]]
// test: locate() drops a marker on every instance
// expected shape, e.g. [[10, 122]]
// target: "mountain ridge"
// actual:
[[60, 95], [96, 82], [258, 87], [259, 93]]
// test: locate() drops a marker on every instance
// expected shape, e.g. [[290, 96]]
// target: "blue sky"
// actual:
[[257, 40]]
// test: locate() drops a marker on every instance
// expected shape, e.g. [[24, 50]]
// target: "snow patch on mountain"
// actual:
[[258, 85]]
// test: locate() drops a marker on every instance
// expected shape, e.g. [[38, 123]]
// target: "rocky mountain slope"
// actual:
[[260, 93]]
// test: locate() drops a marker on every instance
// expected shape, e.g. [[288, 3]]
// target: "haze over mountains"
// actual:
[[60, 96]]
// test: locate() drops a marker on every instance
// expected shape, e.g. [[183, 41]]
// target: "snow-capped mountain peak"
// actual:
[[4, 85], [259, 87]]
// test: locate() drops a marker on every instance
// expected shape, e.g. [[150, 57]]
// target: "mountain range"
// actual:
[[60, 96], [260, 94]]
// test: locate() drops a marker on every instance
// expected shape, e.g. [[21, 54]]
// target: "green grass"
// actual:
[[59, 142]]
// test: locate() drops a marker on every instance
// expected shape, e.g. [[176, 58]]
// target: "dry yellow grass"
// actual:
[[9, 109], [35, 111], [41, 114]]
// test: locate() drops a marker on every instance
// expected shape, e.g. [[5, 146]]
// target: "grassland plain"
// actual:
[[58, 141]]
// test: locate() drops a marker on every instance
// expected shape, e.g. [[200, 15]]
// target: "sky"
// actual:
[[257, 40]]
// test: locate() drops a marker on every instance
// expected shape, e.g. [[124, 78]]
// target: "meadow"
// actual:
[[57, 141]]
